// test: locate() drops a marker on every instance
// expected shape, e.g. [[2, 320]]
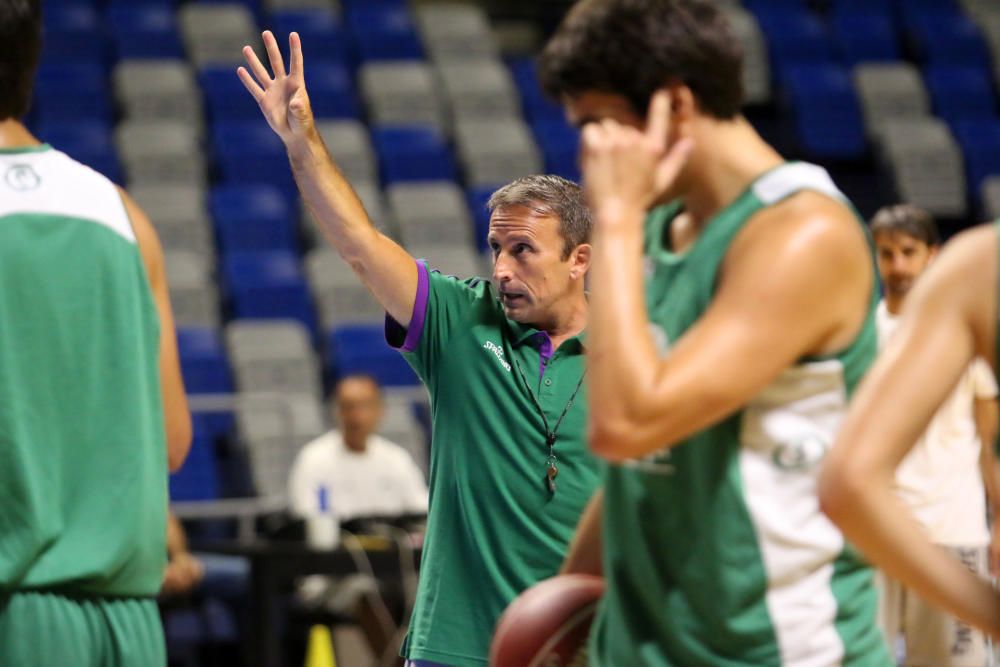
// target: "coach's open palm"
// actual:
[[282, 99]]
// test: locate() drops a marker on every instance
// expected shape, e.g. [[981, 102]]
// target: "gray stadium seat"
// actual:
[[402, 93], [482, 90], [456, 32], [430, 213], [517, 39], [348, 143], [990, 194], [276, 5], [160, 152], [496, 152], [178, 213], [927, 165], [450, 259], [214, 34], [400, 425], [339, 293], [890, 91], [272, 356], [158, 90], [194, 295], [371, 197], [756, 66], [273, 428]]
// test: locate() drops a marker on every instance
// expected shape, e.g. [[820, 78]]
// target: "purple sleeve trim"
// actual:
[[417, 319]]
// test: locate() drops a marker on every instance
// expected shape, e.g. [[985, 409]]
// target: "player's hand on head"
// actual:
[[282, 97], [624, 167]]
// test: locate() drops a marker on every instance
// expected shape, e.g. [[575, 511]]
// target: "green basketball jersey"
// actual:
[[83, 463], [716, 552]]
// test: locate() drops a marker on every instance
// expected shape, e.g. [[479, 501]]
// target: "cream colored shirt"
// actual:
[[384, 480], [940, 479]]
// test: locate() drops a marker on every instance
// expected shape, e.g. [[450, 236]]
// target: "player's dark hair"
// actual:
[[20, 48], [550, 195], [634, 47], [906, 219]]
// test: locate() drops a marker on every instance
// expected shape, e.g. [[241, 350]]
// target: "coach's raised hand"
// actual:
[[282, 98]]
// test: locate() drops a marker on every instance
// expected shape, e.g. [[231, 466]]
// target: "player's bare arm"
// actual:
[[765, 315], [176, 416], [385, 268], [948, 320], [584, 555]]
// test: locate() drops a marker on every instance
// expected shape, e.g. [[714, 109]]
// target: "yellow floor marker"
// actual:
[[320, 651]]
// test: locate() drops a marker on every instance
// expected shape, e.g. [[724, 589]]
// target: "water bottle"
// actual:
[[323, 526]]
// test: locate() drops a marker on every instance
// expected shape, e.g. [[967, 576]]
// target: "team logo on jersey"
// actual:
[[22, 177], [802, 454], [498, 351]]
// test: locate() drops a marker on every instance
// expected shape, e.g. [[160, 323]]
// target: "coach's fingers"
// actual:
[[256, 66], [295, 55], [658, 119], [250, 84], [274, 54]]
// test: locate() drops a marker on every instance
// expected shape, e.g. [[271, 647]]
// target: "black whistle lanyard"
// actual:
[[551, 434]]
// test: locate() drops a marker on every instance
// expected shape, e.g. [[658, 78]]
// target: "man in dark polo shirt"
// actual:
[[503, 361]]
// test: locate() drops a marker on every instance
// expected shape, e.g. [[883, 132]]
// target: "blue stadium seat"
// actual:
[[477, 198], [86, 141], [948, 37], [362, 348], [145, 31], [323, 37], [960, 93], [384, 31], [73, 33], [198, 478], [862, 37], [226, 99], [794, 37], [537, 106], [412, 153], [69, 92], [827, 114], [331, 91], [980, 142], [560, 144], [204, 363], [268, 285], [250, 152], [252, 217]]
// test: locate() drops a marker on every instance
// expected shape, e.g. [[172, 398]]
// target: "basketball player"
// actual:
[[733, 311], [949, 320], [92, 407], [948, 475], [504, 367]]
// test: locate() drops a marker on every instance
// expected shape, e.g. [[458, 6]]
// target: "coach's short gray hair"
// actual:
[[550, 195]]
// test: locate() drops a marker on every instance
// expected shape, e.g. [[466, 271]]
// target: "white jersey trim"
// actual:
[[785, 433], [794, 177], [54, 184]]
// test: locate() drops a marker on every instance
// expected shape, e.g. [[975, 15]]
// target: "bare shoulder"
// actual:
[[145, 236], [808, 225]]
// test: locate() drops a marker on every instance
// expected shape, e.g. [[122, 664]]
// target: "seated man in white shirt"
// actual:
[[363, 475]]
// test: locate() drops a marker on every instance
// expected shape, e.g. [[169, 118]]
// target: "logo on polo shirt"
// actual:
[[498, 351]]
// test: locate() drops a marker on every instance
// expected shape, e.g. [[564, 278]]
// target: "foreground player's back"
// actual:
[[81, 417]]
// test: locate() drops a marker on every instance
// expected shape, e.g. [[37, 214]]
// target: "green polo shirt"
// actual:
[[494, 528]]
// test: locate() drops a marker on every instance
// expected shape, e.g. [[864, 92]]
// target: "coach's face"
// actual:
[[530, 268]]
